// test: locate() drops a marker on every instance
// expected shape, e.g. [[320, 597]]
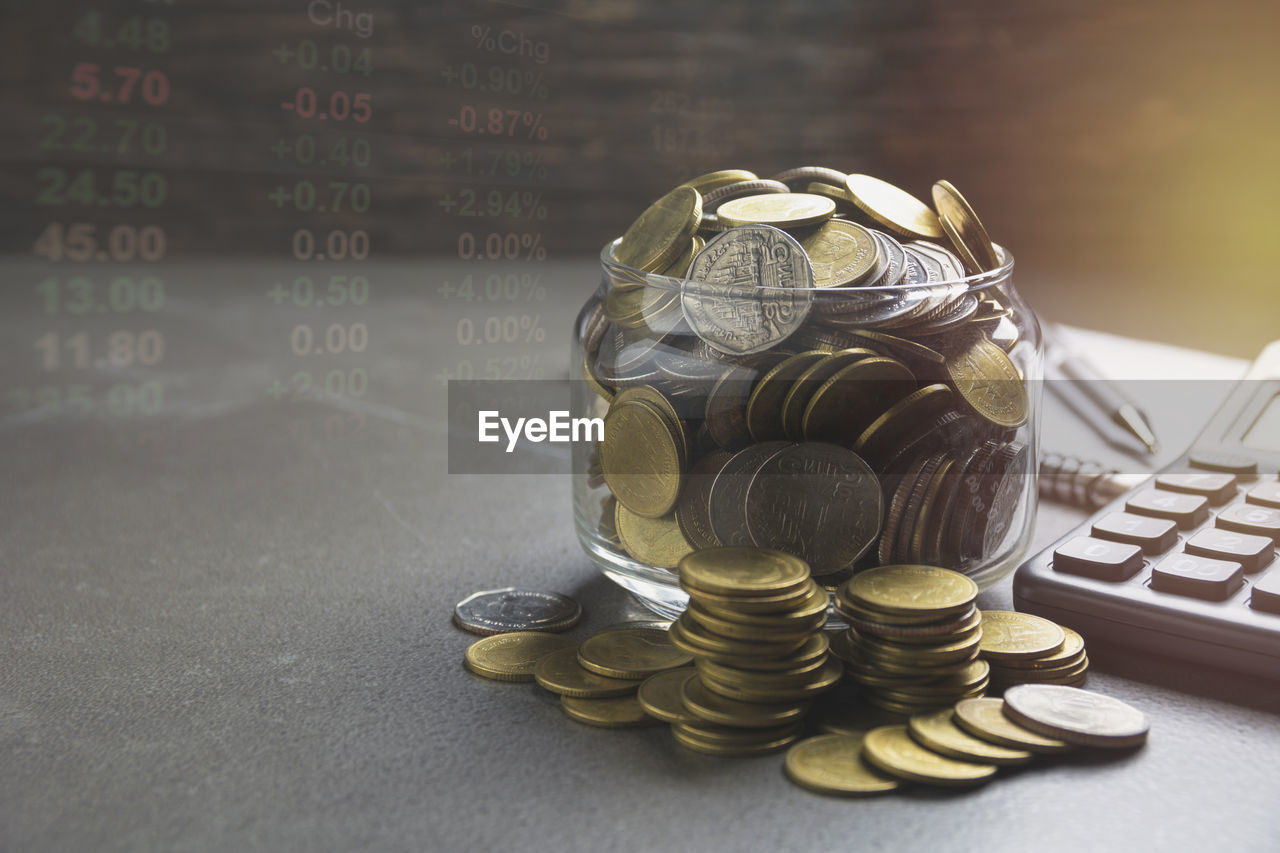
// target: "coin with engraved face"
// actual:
[[748, 289]]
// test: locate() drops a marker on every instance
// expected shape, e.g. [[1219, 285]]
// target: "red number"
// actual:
[[362, 107], [129, 76], [155, 88], [84, 80]]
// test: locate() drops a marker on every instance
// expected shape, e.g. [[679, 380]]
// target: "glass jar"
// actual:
[[854, 426]]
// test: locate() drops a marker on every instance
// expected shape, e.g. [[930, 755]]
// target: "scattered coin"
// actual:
[[561, 673], [833, 764], [662, 695], [512, 656], [938, 731], [891, 749], [655, 239], [630, 654], [985, 718], [497, 611], [1076, 716], [624, 712]]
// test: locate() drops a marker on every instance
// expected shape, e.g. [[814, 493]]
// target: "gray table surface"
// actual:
[[217, 635]]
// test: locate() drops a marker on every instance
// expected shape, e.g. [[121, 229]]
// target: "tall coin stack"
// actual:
[[914, 637], [754, 628]]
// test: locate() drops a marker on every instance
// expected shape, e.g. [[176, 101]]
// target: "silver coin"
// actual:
[[1076, 716], [897, 255], [499, 611], [819, 501], [728, 501], [953, 267], [748, 289]]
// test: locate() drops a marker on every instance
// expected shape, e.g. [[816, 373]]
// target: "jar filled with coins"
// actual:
[[818, 363]]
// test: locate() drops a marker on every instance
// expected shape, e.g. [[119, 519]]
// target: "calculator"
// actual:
[[1183, 565]]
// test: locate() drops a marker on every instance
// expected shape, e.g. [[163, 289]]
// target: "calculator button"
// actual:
[[1152, 535], [1266, 593], [1096, 558], [1264, 494], [1199, 577], [1186, 511], [1251, 518], [1228, 463], [1218, 488], [1252, 552]]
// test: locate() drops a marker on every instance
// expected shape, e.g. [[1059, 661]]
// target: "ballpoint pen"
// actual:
[[1076, 378]]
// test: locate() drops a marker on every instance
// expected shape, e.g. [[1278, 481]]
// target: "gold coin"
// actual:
[[662, 232], [892, 750], [693, 508], [913, 590], [984, 718], [938, 731], [561, 673], [990, 383], [893, 208], [642, 458], [794, 676], [832, 764], [808, 383], [842, 253], [764, 605], [631, 653], [851, 399], [723, 178], [811, 651], [1007, 634], [778, 633], [687, 634], [658, 400], [686, 736], [764, 406], [662, 695], [964, 229], [513, 656], [744, 571], [679, 268], [623, 712], [781, 210], [656, 541], [821, 680], [1070, 655], [728, 712], [813, 604]]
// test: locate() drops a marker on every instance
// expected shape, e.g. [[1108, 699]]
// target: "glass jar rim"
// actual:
[[973, 282]]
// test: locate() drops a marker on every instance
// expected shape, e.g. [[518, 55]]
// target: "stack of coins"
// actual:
[[1026, 649], [754, 629], [814, 322], [968, 744], [913, 639]]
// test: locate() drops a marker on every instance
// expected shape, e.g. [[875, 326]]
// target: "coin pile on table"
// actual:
[[754, 629], [966, 744], [913, 639], [791, 363], [1026, 649]]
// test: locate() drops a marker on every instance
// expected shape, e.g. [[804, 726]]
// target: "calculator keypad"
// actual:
[[1098, 558], [1252, 519], [1218, 488], [1266, 594], [1251, 552], [1152, 535], [1187, 511], [1265, 494], [1200, 577]]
